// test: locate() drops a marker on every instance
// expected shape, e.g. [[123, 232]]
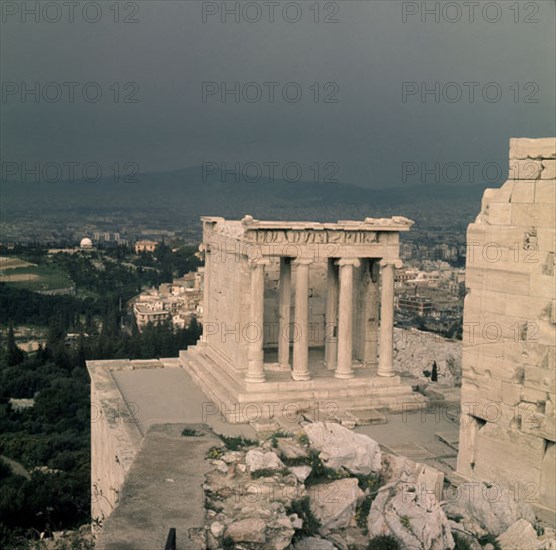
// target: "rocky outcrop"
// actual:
[[256, 499], [487, 509], [257, 460], [523, 536], [412, 517], [247, 530], [334, 504], [342, 448]]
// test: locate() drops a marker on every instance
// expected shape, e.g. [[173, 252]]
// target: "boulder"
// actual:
[[280, 533], [217, 528], [340, 447], [521, 536], [413, 517], [301, 472], [424, 478], [290, 449], [490, 508], [313, 543], [334, 504], [257, 460], [247, 530], [232, 456]]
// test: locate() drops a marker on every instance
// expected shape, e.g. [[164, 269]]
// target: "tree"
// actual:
[[14, 354]]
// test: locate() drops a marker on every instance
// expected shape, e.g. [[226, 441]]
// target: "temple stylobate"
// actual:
[[299, 311]]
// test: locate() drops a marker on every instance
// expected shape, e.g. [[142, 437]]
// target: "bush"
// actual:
[[320, 473], [269, 473], [237, 443], [489, 539], [275, 436], [383, 542], [228, 543], [461, 542], [311, 524], [190, 432]]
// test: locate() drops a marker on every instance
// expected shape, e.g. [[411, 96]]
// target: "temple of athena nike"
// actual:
[[299, 314]]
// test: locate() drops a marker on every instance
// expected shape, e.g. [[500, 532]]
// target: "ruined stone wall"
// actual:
[[115, 440], [508, 431]]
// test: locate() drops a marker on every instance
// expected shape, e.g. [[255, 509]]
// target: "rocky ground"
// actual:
[[327, 488], [415, 352]]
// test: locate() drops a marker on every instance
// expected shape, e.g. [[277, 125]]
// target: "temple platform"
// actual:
[[282, 400]]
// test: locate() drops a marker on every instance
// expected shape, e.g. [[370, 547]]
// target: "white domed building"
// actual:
[[86, 243]]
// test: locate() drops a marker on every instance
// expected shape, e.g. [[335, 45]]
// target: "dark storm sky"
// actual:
[[370, 132]]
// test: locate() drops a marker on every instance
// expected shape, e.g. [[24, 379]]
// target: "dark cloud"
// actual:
[[362, 61]]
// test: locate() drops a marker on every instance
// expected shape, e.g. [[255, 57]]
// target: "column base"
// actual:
[[388, 373], [330, 366], [254, 379], [344, 375], [301, 377]]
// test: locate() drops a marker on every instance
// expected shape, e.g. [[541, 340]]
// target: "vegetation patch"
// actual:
[[383, 542], [311, 524], [214, 453], [277, 435], [461, 542], [190, 432], [369, 484], [265, 472], [320, 473], [489, 539], [228, 543], [236, 443]]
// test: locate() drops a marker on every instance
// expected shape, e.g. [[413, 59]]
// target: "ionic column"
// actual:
[[345, 319], [205, 247], [301, 342], [255, 369], [284, 307], [331, 323], [370, 315], [386, 362]]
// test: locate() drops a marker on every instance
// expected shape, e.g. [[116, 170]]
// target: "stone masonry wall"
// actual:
[[115, 439], [508, 430]]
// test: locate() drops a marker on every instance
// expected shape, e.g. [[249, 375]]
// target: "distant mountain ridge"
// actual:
[[183, 188]]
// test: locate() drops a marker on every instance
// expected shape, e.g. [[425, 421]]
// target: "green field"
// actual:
[[36, 278]]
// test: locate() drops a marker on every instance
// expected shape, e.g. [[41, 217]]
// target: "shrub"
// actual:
[[489, 539], [383, 542], [277, 435], [190, 432], [269, 473], [369, 483], [215, 453], [320, 473], [228, 543], [461, 542], [237, 442], [311, 524]]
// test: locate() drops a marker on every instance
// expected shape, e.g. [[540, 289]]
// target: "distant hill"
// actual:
[[184, 193]]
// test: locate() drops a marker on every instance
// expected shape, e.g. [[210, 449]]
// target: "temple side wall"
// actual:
[[508, 428]]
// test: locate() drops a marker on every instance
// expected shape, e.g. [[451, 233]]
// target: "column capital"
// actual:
[[258, 262], [302, 261], [348, 261], [396, 262]]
